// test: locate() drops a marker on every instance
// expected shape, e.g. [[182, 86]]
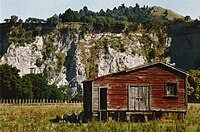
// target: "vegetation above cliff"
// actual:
[[119, 19]]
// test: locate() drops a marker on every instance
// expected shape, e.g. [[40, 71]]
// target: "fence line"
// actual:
[[36, 101]]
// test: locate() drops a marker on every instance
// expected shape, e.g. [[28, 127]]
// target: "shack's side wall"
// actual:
[[87, 93], [155, 76]]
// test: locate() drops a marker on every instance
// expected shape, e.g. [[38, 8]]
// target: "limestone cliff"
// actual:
[[66, 55]]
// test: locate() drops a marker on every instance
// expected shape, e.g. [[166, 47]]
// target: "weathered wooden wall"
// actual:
[[155, 76]]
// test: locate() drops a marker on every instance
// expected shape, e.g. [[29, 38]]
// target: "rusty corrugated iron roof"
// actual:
[[140, 67]]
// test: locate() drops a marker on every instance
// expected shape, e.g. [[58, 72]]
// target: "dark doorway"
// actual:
[[103, 98]]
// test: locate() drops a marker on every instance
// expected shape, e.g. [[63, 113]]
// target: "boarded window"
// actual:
[[171, 89], [139, 98]]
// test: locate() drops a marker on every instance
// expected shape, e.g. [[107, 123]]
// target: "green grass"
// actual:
[[28, 118]]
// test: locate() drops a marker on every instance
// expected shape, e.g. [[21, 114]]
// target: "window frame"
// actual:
[[174, 90]]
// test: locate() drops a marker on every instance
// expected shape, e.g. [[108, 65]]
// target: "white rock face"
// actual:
[[116, 61], [111, 52], [73, 72], [24, 57], [112, 60]]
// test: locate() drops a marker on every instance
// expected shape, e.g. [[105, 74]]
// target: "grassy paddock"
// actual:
[[36, 118]]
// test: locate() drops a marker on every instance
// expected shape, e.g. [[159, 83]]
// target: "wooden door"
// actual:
[[95, 98], [139, 98], [99, 97]]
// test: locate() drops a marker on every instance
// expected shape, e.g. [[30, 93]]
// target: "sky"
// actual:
[[47, 8]]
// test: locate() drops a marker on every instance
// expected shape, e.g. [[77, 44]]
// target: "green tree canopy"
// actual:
[[39, 86], [30, 86], [10, 82], [13, 19], [54, 19], [193, 86], [55, 92]]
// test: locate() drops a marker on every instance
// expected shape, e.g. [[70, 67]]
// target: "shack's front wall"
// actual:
[[153, 76]]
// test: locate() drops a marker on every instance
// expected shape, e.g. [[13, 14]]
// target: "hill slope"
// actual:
[[171, 15]]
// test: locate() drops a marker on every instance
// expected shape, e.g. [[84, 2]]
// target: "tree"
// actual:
[[39, 86], [36, 30], [78, 97], [20, 21], [187, 18], [34, 20], [13, 19], [165, 14], [67, 92], [193, 86], [102, 12], [10, 82], [55, 92], [70, 16], [7, 20], [85, 10], [25, 91], [54, 19]]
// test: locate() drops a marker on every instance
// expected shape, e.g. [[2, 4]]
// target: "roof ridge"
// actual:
[[142, 66]]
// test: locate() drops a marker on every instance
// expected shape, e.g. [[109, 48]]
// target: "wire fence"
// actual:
[[37, 101]]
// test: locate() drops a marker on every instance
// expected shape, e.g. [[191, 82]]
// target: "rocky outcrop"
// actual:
[[24, 57], [69, 59]]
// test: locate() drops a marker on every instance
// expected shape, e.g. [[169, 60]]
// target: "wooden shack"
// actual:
[[145, 91]]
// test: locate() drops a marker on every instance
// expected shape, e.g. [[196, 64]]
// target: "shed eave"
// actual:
[[140, 67]]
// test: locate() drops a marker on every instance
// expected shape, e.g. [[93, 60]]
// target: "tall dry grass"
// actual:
[[29, 118]]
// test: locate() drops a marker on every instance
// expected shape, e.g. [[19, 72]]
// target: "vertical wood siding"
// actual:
[[95, 98]]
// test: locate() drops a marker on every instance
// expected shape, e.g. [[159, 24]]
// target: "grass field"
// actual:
[[35, 118]]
